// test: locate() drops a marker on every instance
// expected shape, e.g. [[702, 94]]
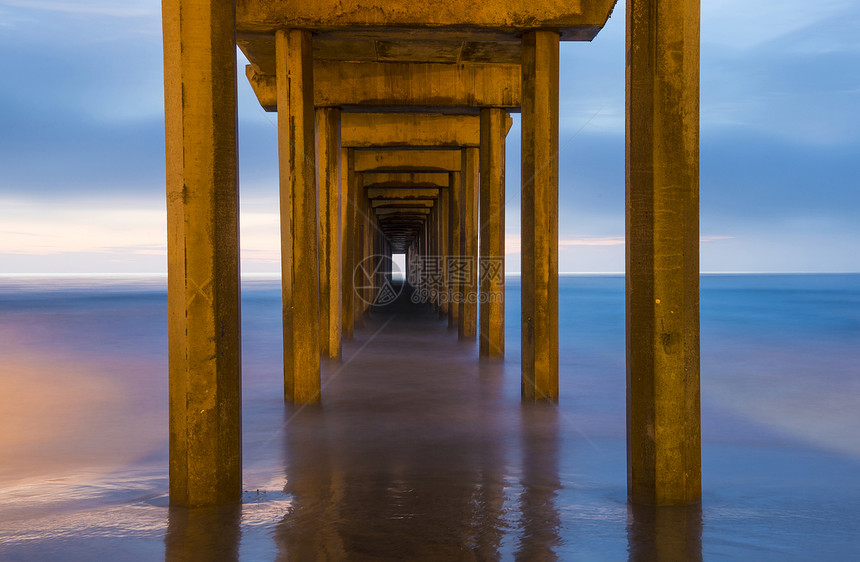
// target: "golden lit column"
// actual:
[[299, 261], [539, 221], [663, 412], [328, 163], [347, 224], [358, 202], [492, 216], [468, 326], [454, 287], [444, 233], [202, 252]]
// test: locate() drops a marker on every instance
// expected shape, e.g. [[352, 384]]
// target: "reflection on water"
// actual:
[[410, 454], [664, 534], [540, 482], [419, 450], [203, 533]]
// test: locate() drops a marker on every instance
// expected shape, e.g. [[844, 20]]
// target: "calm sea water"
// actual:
[[421, 451]]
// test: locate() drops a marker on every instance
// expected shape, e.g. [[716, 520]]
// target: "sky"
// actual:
[[82, 142]]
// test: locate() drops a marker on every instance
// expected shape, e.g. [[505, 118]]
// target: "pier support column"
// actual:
[[539, 221], [298, 193], [454, 287], [347, 222], [468, 326], [203, 252], [443, 216], [491, 270], [663, 433], [328, 164]]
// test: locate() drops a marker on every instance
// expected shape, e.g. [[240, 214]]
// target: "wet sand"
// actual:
[[418, 452]]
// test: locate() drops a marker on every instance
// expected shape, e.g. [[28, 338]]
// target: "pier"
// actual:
[[392, 122]]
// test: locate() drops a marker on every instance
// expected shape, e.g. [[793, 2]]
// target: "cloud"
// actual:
[[124, 9]]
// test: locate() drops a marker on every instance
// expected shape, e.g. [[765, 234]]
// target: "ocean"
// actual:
[[422, 452]]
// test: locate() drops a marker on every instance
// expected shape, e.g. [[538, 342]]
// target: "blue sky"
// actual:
[[82, 148]]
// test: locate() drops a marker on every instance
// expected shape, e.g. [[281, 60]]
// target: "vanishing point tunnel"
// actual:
[[392, 121]]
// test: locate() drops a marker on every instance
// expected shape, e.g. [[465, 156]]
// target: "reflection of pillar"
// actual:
[[208, 533], [664, 439], [347, 227], [539, 516], [469, 244], [540, 216], [492, 216], [299, 262], [454, 286], [311, 528], [328, 164], [664, 533], [203, 252]]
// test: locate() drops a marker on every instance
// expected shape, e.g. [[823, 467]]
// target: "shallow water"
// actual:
[[420, 451]]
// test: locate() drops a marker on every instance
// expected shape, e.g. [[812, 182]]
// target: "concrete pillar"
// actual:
[[299, 258], [491, 270], [358, 296], [347, 223], [444, 234], [663, 412], [468, 326], [454, 243], [203, 252], [328, 165], [539, 216]]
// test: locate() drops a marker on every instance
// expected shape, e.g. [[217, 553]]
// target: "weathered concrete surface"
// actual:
[[369, 130], [407, 161], [454, 244], [402, 193], [203, 253], [574, 19], [389, 84], [328, 165], [347, 222], [400, 212], [468, 315], [492, 239], [299, 258], [405, 180], [664, 434], [402, 203], [539, 217]]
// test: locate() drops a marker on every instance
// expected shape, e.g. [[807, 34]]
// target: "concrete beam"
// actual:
[[407, 161], [575, 20], [202, 253], [402, 203], [390, 84], [406, 180], [405, 193], [662, 184], [375, 130], [402, 212]]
